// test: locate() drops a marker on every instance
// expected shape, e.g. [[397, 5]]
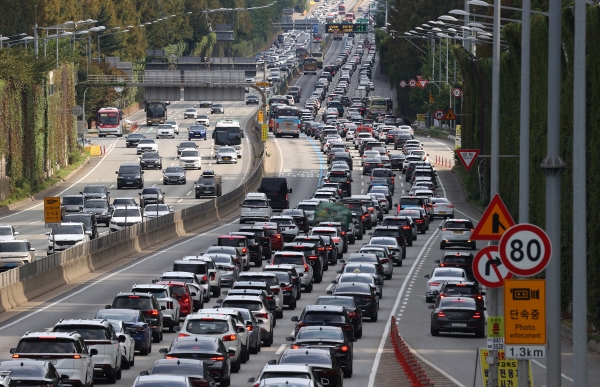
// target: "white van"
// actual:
[[255, 207]]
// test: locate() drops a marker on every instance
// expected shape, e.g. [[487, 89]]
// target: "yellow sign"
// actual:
[[495, 221], [495, 326], [265, 132], [507, 370], [263, 84], [450, 116], [52, 213], [261, 117], [525, 311]]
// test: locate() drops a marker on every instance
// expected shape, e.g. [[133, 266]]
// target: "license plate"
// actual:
[[458, 232], [190, 165], [441, 212], [206, 191], [129, 182], [11, 264], [459, 325]]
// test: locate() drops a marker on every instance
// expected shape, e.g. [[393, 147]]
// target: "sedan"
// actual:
[[457, 314], [151, 195], [321, 360], [364, 278], [151, 160], [136, 326], [174, 175], [152, 211], [205, 104], [226, 154], [175, 125], [217, 108], [190, 158], [195, 370], [438, 277], [147, 145], [202, 119], [190, 113], [252, 100], [133, 139], [364, 296], [442, 207]]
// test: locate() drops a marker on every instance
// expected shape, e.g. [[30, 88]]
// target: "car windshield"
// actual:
[[200, 345], [325, 334], [96, 204], [206, 326], [129, 170], [67, 230], [123, 202], [284, 374], [150, 191], [253, 306], [174, 170], [189, 153], [88, 332], [129, 212], [269, 280], [360, 269], [132, 302], [187, 144], [356, 278], [161, 383], [156, 208], [345, 302], [382, 241], [72, 200], [6, 231], [464, 225], [323, 318], [85, 219], [46, 345], [134, 136], [123, 315], [221, 259], [150, 156], [448, 273], [306, 207], [147, 141], [158, 293], [94, 189], [13, 247], [255, 203]]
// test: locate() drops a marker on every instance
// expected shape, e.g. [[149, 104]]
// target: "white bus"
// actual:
[[228, 133]]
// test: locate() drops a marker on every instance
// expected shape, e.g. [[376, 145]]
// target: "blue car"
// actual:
[[136, 325], [196, 131]]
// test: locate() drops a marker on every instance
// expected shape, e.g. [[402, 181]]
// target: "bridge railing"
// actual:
[[182, 79]]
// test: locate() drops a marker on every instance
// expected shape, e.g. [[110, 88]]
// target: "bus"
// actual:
[[109, 121], [330, 18], [287, 121], [319, 57], [350, 17], [156, 112], [274, 101], [341, 9], [228, 133], [317, 38], [310, 65], [376, 106]]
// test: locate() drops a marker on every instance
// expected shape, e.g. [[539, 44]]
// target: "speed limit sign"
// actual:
[[525, 249]]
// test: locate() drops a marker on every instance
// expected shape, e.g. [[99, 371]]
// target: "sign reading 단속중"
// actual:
[[525, 311]]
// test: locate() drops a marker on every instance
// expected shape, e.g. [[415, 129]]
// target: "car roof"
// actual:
[[324, 308]]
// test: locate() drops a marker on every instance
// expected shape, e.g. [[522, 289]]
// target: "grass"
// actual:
[[472, 195], [21, 193], [433, 132], [593, 333]]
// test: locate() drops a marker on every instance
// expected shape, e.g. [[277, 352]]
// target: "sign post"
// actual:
[[495, 333], [438, 114], [260, 116]]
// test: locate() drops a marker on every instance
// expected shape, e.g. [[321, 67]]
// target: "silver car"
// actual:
[[457, 232], [383, 253], [226, 265], [226, 154], [152, 211], [438, 277], [297, 259]]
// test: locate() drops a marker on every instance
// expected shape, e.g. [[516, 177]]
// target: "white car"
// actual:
[[164, 296], [175, 126], [147, 145], [290, 99], [214, 274], [407, 128], [15, 253], [152, 211], [457, 232], [218, 325], [127, 347], [190, 113], [442, 207], [8, 233], [226, 154], [124, 217], [98, 334], [305, 271], [193, 281], [438, 277], [65, 236], [202, 119], [165, 130], [270, 279], [240, 326], [190, 158]]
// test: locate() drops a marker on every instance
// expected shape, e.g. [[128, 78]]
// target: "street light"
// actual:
[[105, 35]]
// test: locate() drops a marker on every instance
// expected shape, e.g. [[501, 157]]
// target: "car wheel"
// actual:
[[244, 355], [423, 231], [125, 363], [279, 314], [119, 373], [258, 263], [480, 334], [132, 360], [145, 351], [293, 304], [254, 350], [217, 292], [442, 245], [112, 378], [428, 299], [435, 332], [358, 334], [375, 317], [309, 288], [474, 246], [235, 367], [156, 337], [318, 279], [225, 382], [388, 277]]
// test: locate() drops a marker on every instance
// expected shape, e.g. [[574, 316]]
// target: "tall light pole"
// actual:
[[104, 35]]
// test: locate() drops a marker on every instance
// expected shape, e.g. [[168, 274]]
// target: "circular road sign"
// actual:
[[488, 268], [525, 249], [76, 110], [403, 83], [412, 83], [456, 92], [439, 114]]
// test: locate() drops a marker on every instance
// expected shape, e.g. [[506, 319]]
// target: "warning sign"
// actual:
[[467, 156], [450, 116], [507, 370], [495, 221]]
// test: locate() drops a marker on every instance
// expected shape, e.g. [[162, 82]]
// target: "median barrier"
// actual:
[[24, 283]]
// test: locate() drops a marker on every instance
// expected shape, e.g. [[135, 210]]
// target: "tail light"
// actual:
[[295, 346], [270, 298], [450, 206], [479, 298], [213, 276], [442, 264], [229, 338], [419, 220], [183, 335], [287, 288], [79, 357], [477, 315], [278, 236], [367, 298], [343, 232], [152, 313], [352, 315], [170, 357], [347, 327], [321, 248], [441, 314], [406, 227], [329, 247], [250, 328], [275, 291], [313, 257], [385, 260], [244, 250], [262, 315], [305, 268], [199, 383], [229, 269], [434, 283], [204, 278], [343, 348], [218, 358]]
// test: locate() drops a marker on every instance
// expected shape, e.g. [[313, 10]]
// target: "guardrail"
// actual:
[[29, 281], [169, 79]]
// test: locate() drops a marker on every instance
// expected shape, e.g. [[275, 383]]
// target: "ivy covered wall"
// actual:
[[477, 132]]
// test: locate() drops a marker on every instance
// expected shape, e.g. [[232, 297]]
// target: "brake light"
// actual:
[[442, 264], [213, 276], [434, 283], [250, 328], [170, 357], [183, 335], [419, 220], [278, 236], [76, 357], [262, 315], [477, 315], [441, 314], [305, 268], [352, 315], [218, 358], [450, 206], [321, 248], [479, 298], [204, 278], [406, 227], [385, 260], [230, 338], [270, 298], [275, 291], [367, 298], [343, 232], [295, 346], [313, 257], [152, 313], [347, 327], [344, 348]]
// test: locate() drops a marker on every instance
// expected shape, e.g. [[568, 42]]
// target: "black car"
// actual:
[[263, 237], [100, 208], [151, 195], [325, 246], [370, 164], [364, 296], [209, 349], [255, 248], [406, 224], [322, 360], [300, 218], [462, 289], [174, 175], [401, 139], [151, 160], [133, 139], [357, 207], [95, 191], [421, 220], [325, 315], [312, 255], [146, 303], [397, 160], [89, 222], [460, 259], [457, 314], [217, 108], [291, 271], [341, 178], [392, 231], [354, 312], [28, 372], [252, 100], [186, 145], [130, 175], [196, 370], [277, 191]]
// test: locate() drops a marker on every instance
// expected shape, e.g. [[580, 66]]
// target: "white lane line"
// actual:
[[188, 194], [179, 200], [109, 276], [544, 367], [280, 156], [37, 221], [110, 149], [281, 348], [386, 331], [329, 287], [154, 185]]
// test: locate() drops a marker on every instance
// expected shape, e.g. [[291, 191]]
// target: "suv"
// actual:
[[277, 191], [255, 207], [88, 220], [212, 272], [130, 175], [255, 249], [65, 236], [169, 305], [72, 203], [294, 277], [151, 195], [101, 209], [15, 253], [95, 191], [313, 256], [68, 351], [462, 289], [216, 324], [124, 217], [98, 334], [240, 326], [271, 280], [457, 232], [260, 310], [146, 303], [297, 259], [406, 224], [329, 315]]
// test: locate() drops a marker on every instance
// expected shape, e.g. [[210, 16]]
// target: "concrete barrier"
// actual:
[[22, 284]]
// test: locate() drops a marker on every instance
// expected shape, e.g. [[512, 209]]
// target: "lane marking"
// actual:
[[544, 367], [281, 348]]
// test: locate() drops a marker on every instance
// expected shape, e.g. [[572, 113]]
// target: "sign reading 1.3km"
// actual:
[[346, 28]]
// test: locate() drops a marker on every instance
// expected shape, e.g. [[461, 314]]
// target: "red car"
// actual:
[[274, 232], [182, 293]]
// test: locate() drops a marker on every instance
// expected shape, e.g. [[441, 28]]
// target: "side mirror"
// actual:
[[440, 227], [251, 380], [426, 276], [289, 338], [122, 338], [435, 292], [282, 285], [88, 233], [437, 261], [163, 307], [342, 261], [144, 373], [47, 233], [329, 292], [107, 306], [272, 362], [13, 350], [290, 190], [117, 172], [93, 351], [294, 318], [219, 301], [32, 249], [163, 350], [431, 307], [483, 293], [154, 281]]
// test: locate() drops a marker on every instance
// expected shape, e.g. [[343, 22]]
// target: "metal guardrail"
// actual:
[[169, 79], [43, 264]]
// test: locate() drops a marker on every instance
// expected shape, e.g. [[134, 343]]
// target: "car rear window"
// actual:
[[320, 317], [453, 302], [158, 293], [269, 280], [304, 358], [253, 306], [297, 375], [206, 326], [26, 371], [308, 334], [179, 369], [132, 302], [461, 259], [453, 224], [456, 289], [88, 332], [43, 345], [385, 233], [292, 260]]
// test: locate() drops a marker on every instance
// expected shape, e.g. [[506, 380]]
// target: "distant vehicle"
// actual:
[[228, 133], [209, 184], [109, 122], [310, 65], [156, 112]]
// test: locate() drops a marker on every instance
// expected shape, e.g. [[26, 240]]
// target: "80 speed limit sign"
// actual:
[[525, 249]]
